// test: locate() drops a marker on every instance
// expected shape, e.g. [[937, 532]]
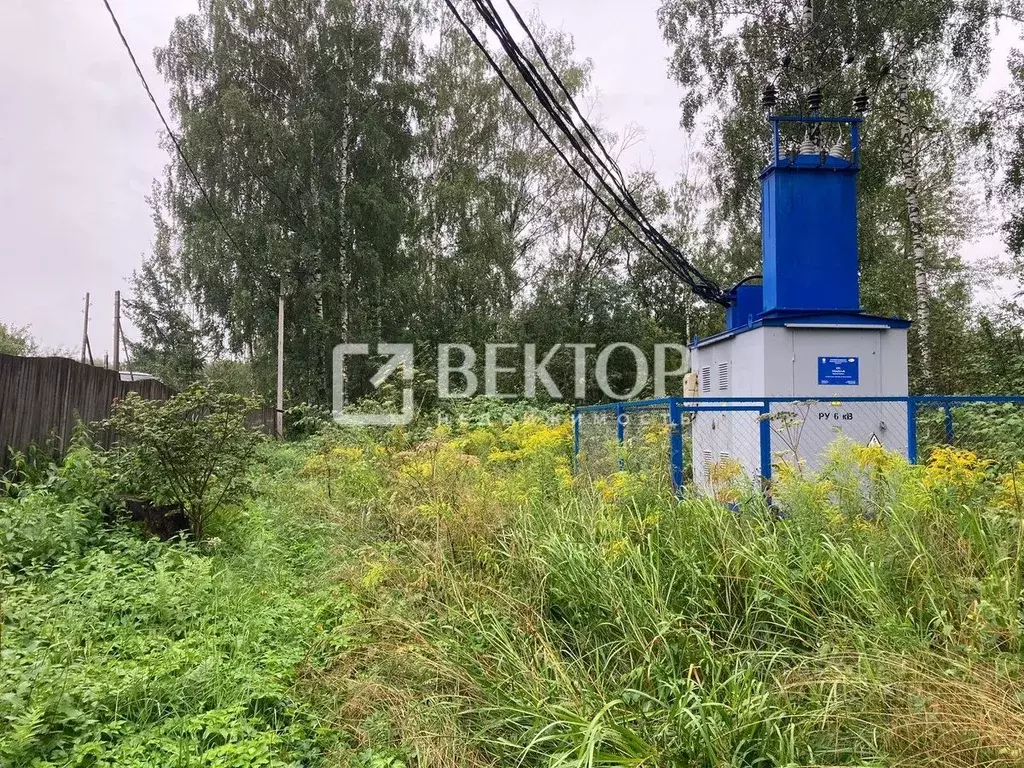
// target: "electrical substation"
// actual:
[[801, 333]]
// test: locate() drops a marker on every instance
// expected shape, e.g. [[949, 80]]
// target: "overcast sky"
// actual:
[[79, 141]]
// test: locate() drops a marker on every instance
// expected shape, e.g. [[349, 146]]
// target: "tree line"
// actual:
[[362, 160]]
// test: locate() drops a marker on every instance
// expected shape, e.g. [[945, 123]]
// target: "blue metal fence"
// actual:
[[755, 434]]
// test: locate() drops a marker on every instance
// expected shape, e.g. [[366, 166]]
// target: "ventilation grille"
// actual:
[[705, 379], [723, 377], [724, 456], [709, 459]]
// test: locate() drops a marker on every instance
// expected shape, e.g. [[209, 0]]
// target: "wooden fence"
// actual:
[[43, 398]]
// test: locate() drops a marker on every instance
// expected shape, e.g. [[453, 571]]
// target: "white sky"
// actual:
[[79, 141]]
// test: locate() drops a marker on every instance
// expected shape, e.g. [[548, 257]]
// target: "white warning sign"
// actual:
[[874, 442]]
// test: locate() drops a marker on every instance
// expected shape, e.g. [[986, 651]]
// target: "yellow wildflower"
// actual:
[[873, 457], [347, 453], [950, 466], [616, 549], [1011, 489]]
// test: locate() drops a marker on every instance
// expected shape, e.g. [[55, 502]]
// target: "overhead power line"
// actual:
[[540, 126], [591, 157], [609, 176], [174, 139]]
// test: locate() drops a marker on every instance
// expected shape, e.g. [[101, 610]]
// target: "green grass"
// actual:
[[457, 599], [873, 618], [117, 651]]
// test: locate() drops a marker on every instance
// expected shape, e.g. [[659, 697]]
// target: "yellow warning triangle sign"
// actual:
[[874, 442]]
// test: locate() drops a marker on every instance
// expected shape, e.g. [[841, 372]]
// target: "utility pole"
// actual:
[[117, 330], [127, 357], [280, 365], [85, 329]]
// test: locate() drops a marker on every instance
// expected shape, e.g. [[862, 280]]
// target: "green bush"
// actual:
[[192, 451], [38, 529], [303, 421]]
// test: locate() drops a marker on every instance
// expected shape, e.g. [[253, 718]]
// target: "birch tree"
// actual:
[[911, 184], [298, 119]]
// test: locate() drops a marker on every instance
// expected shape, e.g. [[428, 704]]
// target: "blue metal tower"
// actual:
[[809, 225]]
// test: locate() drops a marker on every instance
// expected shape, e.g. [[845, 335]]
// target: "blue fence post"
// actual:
[[912, 430], [620, 431], [766, 442], [576, 416], [950, 437], [675, 439]]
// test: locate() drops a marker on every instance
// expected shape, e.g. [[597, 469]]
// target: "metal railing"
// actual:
[[696, 440]]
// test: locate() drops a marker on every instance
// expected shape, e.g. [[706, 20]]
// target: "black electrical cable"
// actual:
[[623, 196], [566, 124], [746, 280], [611, 161], [656, 244], [542, 91], [561, 153], [174, 138], [565, 91], [700, 284], [577, 136], [558, 81]]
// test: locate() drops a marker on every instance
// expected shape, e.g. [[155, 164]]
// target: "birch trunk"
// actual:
[[313, 215], [344, 259], [911, 184]]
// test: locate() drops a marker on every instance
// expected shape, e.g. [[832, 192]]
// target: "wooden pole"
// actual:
[[127, 357], [280, 365], [85, 329], [117, 330]]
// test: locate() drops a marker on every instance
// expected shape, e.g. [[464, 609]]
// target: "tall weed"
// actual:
[[862, 618]]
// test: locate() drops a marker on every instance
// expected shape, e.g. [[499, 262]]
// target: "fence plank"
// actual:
[[43, 398]]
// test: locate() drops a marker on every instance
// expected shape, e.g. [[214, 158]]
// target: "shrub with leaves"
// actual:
[[50, 513], [192, 451], [303, 421]]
